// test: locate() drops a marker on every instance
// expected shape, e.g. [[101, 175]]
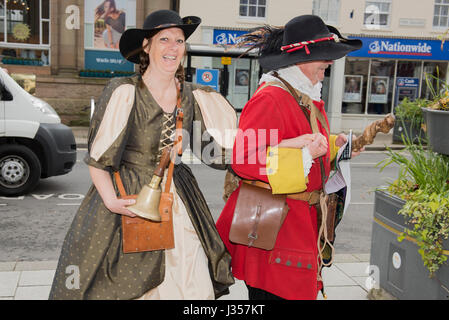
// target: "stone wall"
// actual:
[[70, 96]]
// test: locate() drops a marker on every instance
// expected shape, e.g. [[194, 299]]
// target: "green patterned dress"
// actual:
[[92, 264]]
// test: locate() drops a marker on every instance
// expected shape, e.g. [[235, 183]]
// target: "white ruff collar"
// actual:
[[297, 79]]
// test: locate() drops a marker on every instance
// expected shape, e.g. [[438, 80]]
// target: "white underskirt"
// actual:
[[186, 265]]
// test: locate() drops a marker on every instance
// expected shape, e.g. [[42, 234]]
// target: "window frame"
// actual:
[[257, 5], [441, 4], [368, 3], [38, 46], [317, 6]]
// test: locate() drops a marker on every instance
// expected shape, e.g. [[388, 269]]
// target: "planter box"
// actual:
[[417, 135], [437, 124], [401, 270]]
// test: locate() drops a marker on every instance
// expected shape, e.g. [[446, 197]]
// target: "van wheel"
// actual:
[[20, 170]]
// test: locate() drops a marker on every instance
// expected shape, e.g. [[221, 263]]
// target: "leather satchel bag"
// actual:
[[139, 234], [258, 217]]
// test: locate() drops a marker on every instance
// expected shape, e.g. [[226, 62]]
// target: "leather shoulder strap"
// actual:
[[305, 103], [119, 183], [311, 118], [177, 148]]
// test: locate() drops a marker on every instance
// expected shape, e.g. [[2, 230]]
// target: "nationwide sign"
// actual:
[[227, 37], [402, 49]]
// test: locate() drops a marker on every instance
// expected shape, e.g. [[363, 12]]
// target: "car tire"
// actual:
[[20, 170]]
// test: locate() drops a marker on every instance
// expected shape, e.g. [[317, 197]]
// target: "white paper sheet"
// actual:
[[340, 178]]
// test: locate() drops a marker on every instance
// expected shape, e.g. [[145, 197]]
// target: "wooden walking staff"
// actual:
[[370, 132]]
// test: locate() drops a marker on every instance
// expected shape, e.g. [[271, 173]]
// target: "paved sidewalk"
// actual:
[[345, 280]]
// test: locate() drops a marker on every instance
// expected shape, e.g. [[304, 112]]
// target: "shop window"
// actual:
[[380, 86], [25, 21], [441, 14], [410, 69], [327, 10], [436, 73], [355, 83], [408, 77], [377, 14], [253, 8]]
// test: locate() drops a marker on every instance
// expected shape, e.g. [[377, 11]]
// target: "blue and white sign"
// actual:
[[403, 82], [402, 49], [106, 60], [406, 88], [227, 37], [208, 77]]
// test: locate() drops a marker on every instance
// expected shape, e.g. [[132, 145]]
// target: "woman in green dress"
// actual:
[[133, 122]]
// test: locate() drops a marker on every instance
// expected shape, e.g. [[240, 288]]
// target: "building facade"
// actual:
[[45, 44], [401, 45]]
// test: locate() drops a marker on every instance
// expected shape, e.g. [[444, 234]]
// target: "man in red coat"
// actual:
[[278, 146]]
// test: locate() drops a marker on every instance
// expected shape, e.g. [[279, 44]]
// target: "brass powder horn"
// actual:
[[147, 202]]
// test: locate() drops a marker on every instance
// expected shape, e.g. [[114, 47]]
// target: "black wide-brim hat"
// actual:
[[307, 38], [132, 39]]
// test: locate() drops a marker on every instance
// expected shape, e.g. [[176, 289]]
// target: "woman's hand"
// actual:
[[103, 182], [119, 206]]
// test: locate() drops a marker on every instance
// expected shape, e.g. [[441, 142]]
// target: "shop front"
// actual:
[[384, 72], [25, 39], [222, 66], [228, 69]]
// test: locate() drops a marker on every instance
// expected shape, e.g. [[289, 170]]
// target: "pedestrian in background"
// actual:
[[133, 123], [295, 58]]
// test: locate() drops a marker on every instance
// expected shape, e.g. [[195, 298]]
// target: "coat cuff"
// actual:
[[285, 170], [333, 148]]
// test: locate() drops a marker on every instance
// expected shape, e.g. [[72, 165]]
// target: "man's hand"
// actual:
[[341, 140], [319, 146], [298, 142]]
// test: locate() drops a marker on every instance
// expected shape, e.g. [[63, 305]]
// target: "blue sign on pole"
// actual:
[[207, 77], [106, 60], [227, 37], [402, 49]]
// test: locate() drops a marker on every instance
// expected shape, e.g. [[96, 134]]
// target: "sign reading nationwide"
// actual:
[[402, 49], [227, 37]]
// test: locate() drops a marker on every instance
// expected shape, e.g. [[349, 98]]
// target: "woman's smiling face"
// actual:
[[167, 49]]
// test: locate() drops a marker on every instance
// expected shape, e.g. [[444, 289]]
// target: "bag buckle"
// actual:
[[253, 237]]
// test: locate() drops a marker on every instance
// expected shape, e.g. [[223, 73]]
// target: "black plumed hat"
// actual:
[[303, 39]]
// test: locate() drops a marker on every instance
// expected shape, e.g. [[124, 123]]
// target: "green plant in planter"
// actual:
[[440, 93], [423, 183], [411, 111]]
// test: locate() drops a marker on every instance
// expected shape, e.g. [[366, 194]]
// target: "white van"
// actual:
[[34, 143]]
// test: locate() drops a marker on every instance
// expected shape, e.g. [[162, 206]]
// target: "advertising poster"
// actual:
[[105, 22], [109, 23], [353, 88], [241, 77], [379, 89]]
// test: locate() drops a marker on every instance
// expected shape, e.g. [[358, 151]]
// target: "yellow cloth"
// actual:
[[333, 147], [285, 170]]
